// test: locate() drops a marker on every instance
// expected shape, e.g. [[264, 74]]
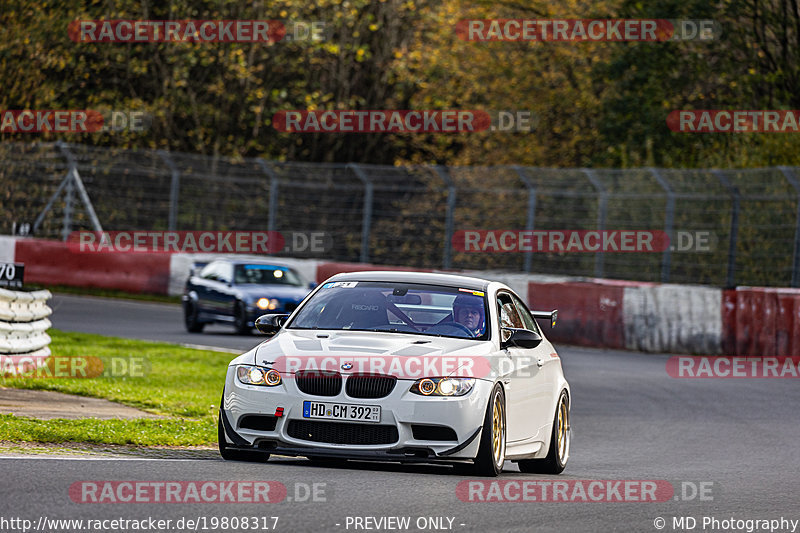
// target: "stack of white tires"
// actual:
[[24, 342]]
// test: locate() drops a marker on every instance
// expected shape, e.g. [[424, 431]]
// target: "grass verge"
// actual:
[[184, 384]]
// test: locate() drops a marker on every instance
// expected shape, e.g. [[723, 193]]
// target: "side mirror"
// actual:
[[270, 324], [524, 338]]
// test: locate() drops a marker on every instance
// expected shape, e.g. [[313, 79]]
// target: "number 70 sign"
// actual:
[[11, 275]]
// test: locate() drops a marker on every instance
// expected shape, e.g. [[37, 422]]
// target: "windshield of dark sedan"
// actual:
[[265, 274], [396, 308]]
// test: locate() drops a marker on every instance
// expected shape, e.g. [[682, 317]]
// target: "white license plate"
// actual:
[[342, 411]]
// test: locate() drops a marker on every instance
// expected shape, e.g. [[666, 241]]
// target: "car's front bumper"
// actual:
[[400, 409]]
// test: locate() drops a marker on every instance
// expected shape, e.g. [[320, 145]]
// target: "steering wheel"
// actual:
[[456, 325]]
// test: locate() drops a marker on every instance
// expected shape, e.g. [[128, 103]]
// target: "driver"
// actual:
[[468, 311]]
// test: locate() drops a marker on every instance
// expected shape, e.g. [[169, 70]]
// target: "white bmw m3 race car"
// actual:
[[402, 366]]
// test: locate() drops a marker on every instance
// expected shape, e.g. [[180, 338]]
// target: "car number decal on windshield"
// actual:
[[340, 285]]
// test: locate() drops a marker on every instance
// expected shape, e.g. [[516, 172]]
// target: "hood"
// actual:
[[282, 292], [405, 356]]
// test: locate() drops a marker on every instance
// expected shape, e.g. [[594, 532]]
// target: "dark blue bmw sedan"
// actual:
[[239, 291]]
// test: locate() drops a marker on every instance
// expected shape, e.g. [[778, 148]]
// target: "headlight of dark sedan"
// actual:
[[266, 303]]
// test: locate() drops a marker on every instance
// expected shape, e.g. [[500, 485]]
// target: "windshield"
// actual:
[[396, 308], [265, 274]]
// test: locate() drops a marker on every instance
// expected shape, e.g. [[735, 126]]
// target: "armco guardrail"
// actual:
[[24, 341]]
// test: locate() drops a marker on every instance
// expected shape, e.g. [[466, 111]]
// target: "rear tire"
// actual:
[[492, 450], [235, 455], [193, 325], [558, 454], [240, 319]]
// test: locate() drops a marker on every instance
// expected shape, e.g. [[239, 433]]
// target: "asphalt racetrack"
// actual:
[[728, 447]]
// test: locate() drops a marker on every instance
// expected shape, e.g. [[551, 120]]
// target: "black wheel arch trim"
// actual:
[[237, 439], [461, 446]]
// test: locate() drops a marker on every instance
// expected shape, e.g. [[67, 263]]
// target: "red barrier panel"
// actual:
[[50, 262], [326, 270], [764, 322], [589, 314]]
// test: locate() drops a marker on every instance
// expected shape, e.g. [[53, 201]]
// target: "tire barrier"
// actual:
[[24, 341]]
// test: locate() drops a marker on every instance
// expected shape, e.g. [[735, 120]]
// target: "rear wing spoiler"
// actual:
[[549, 315]]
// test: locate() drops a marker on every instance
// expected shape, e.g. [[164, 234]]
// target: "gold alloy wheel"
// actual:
[[562, 435], [498, 432]]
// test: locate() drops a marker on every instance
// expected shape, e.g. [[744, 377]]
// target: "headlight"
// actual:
[[255, 375], [443, 386], [266, 303]]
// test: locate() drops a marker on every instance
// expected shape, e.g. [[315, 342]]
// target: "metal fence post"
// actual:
[[69, 199], [61, 186], [730, 282], [669, 221], [602, 211], [272, 212], [174, 190], [447, 255], [792, 179], [366, 213], [72, 182], [530, 217]]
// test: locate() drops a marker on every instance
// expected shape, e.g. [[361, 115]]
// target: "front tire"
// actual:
[[193, 325], [558, 454], [492, 450]]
